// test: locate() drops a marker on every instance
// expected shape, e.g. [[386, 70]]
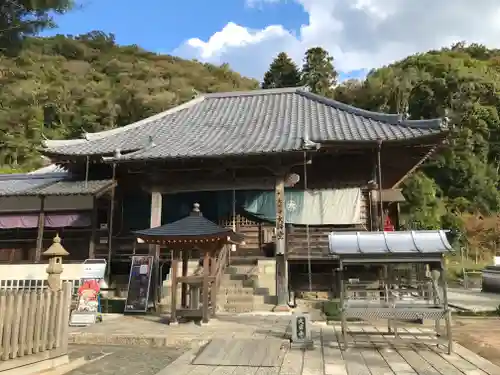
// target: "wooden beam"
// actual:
[[154, 250], [184, 287], [173, 298], [213, 289], [416, 166], [206, 275], [110, 225], [216, 184], [93, 234], [41, 228]]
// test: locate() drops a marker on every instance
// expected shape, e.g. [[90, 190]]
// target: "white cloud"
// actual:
[[359, 34]]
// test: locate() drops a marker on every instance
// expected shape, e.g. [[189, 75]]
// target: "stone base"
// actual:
[[37, 367], [304, 345], [282, 308]]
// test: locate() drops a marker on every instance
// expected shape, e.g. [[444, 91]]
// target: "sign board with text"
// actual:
[[139, 284]]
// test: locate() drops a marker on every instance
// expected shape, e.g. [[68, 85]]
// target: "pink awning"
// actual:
[[51, 220]]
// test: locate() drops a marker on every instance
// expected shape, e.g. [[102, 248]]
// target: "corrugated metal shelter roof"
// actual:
[[388, 243], [246, 123]]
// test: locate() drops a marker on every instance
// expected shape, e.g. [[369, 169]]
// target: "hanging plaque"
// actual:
[[139, 284]]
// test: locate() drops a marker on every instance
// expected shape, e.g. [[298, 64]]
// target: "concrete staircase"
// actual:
[[244, 289]]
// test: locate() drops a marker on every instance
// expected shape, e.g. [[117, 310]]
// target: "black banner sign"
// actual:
[[139, 284]]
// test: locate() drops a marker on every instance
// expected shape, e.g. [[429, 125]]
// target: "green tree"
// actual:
[[462, 83], [62, 86], [318, 72], [283, 72], [19, 18]]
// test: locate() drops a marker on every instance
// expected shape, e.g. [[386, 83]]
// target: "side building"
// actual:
[[283, 166]]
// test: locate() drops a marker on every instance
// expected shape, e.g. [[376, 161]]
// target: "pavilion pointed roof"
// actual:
[[192, 229], [245, 123]]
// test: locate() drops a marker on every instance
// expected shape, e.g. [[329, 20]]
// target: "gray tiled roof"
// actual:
[[238, 123], [18, 185], [73, 188], [31, 185]]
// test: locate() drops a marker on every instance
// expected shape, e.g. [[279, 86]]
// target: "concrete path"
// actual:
[[473, 300]]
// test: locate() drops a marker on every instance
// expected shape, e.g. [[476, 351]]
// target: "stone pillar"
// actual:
[[55, 253]]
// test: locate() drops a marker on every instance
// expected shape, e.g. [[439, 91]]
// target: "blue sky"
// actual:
[[158, 25], [161, 26]]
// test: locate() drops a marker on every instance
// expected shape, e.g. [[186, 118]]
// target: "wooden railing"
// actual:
[[33, 322]]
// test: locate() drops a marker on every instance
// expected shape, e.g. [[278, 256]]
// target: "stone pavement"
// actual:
[[373, 355], [122, 360]]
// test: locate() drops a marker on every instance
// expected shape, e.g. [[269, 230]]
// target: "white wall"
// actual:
[[26, 204], [37, 271]]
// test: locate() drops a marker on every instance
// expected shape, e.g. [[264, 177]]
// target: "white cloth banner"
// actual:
[[329, 207]]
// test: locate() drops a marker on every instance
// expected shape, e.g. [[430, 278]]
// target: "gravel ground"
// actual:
[[122, 360]]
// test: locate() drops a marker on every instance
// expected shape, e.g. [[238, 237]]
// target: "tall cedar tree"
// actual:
[[318, 72], [283, 72], [20, 18]]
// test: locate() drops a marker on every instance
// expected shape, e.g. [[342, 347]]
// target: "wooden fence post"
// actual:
[[16, 321], [24, 323], [62, 340], [30, 332], [7, 328]]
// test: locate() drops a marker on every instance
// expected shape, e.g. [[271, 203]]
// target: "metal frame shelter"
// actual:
[[184, 237], [403, 279]]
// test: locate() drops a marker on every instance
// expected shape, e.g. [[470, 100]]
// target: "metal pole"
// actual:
[[87, 167]]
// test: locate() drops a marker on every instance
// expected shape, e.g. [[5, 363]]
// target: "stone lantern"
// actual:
[[55, 253]]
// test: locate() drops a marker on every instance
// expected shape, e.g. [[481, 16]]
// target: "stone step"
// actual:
[[236, 298], [237, 284], [247, 308], [263, 307], [236, 277], [243, 269], [236, 291], [241, 307]]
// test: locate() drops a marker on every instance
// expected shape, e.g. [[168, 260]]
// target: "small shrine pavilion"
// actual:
[[187, 238]]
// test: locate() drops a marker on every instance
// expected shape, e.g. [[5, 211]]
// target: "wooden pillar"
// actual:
[[111, 215], [154, 250], [281, 256], [155, 219], [173, 300], [213, 286], [397, 221], [379, 183], [93, 234], [184, 286], [206, 274], [41, 229]]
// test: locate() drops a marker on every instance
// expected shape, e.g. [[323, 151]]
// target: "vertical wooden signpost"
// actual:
[[281, 262]]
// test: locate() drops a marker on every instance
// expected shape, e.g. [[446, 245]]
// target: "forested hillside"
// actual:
[[458, 188], [59, 87]]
